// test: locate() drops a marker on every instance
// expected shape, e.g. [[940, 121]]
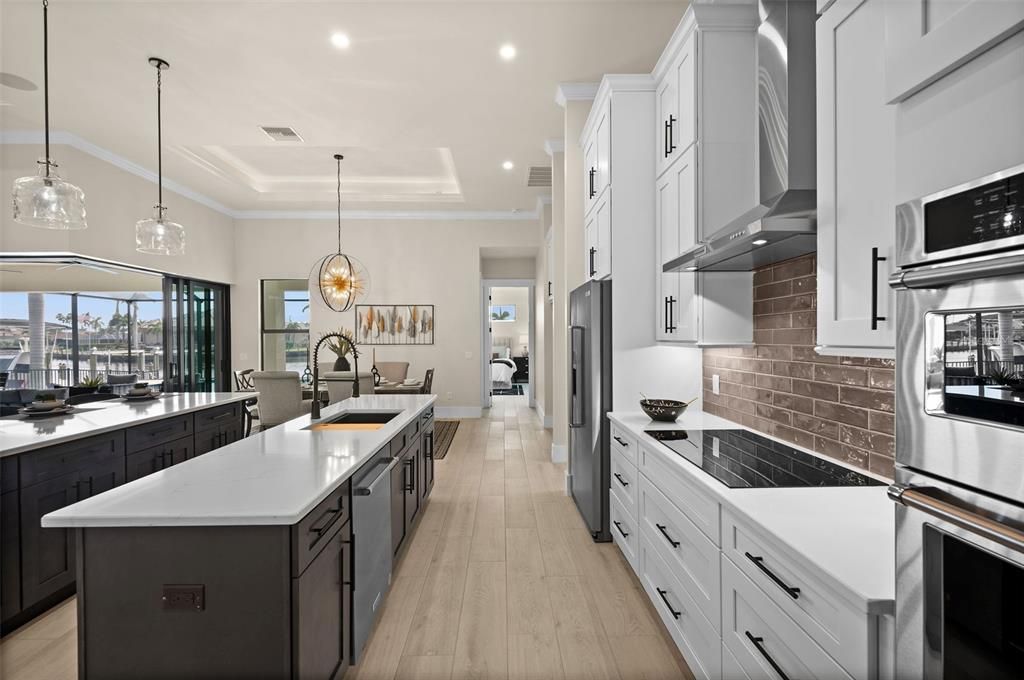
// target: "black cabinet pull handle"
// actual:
[[759, 563], [674, 543], [622, 481], [875, 259], [671, 134], [162, 430], [329, 516], [593, 270], [668, 604], [666, 315], [758, 643], [671, 315], [621, 441], [592, 173], [430, 449], [619, 527], [226, 414], [549, 289], [664, 146]]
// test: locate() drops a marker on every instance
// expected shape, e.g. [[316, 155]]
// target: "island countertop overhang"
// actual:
[[271, 478]]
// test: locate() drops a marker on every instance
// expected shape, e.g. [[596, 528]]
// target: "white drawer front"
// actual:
[[841, 630], [763, 639], [699, 506], [625, 532], [624, 483], [691, 555], [699, 643], [624, 443]]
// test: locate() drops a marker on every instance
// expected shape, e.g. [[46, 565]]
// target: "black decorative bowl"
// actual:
[[663, 410]]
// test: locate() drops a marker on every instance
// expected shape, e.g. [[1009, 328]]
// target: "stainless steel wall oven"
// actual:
[[959, 474]]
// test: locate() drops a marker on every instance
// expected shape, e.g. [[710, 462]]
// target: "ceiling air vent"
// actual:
[[540, 176], [281, 134]]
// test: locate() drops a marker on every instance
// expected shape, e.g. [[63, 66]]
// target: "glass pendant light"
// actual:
[[341, 278], [45, 200], [157, 235]]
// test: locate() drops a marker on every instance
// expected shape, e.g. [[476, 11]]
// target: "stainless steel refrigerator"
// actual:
[[590, 398]]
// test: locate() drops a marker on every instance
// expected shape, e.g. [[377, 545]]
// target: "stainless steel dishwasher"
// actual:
[[371, 528]]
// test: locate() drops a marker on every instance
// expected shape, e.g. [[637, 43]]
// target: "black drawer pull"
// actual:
[[226, 414], [759, 563], [758, 643], [668, 604], [329, 515], [621, 441], [162, 430], [622, 481], [875, 259], [674, 543], [618, 526]]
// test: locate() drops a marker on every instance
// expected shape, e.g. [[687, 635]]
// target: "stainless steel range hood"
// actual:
[[783, 225]]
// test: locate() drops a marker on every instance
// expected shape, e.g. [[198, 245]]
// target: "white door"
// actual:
[[667, 107], [684, 176], [603, 138], [590, 178], [855, 182], [684, 132], [603, 234], [590, 246]]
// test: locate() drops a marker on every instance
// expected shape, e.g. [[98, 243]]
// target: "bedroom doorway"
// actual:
[[507, 341]]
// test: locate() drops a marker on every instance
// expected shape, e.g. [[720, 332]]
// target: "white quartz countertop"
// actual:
[[275, 477], [847, 533], [20, 433]]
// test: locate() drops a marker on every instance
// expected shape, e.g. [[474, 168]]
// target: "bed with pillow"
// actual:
[[502, 366]]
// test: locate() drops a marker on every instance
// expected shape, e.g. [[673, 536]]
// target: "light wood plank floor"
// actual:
[[501, 580]]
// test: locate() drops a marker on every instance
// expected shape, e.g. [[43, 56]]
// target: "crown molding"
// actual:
[[708, 17], [553, 146], [570, 92], [634, 82], [61, 137]]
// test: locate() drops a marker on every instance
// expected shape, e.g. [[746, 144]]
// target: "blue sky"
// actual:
[[15, 306]]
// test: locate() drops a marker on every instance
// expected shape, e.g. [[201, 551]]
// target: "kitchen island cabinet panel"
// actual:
[[148, 461], [47, 555], [10, 559]]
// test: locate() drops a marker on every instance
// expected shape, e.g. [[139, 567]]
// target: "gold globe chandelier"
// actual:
[[340, 278]]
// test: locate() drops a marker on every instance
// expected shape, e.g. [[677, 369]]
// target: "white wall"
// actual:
[[115, 200], [410, 262], [513, 330], [509, 267]]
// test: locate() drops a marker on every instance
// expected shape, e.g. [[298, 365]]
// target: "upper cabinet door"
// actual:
[[590, 190], [856, 211], [926, 39], [667, 107], [603, 233], [590, 245], [603, 137], [684, 132]]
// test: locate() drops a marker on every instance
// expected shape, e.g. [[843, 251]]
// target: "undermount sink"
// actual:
[[355, 420]]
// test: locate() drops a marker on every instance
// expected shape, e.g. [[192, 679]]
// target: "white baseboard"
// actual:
[[559, 453], [545, 419], [457, 412], [548, 423], [568, 484]]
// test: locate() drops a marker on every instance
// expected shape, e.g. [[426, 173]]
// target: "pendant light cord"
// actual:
[[338, 158], [46, 83], [159, 147]]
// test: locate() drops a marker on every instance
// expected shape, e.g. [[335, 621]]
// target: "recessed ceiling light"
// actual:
[[508, 165], [760, 242], [507, 52], [340, 40]]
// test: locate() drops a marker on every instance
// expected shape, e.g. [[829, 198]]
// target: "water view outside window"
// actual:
[[119, 333], [284, 319], [985, 346]]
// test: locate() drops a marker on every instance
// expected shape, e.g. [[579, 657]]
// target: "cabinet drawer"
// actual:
[[763, 639], [217, 417], [841, 631], [699, 506], [153, 459], [39, 466], [310, 534], [693, 558], [699, 643], [624, 483], [625, 532], [624, 443], [168, 429]]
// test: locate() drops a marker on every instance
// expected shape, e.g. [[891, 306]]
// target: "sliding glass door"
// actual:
[[196, 336]]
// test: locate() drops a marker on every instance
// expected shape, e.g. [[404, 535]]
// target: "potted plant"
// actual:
[[86, 386], [342, 347]]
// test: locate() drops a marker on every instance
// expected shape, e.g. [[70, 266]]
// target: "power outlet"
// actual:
[[715, 386], [188, 598], [449, 396]]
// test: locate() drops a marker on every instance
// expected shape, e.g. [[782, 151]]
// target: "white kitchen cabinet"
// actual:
[[705, 162], [597, 236], [926, 39], [855, 158], [597, 156], [549, 246]]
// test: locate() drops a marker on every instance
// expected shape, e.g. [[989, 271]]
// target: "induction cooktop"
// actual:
[[744, 459]]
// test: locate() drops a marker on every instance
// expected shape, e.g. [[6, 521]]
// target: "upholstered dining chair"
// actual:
[[339, 385], [393, 371], [428, 382], [280, 397]]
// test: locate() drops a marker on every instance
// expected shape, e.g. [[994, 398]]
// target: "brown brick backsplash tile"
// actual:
[[841, 407], [879, 400], [843, 375], [773, 290]]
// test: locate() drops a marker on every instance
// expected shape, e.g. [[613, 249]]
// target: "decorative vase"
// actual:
[[341, 364]]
